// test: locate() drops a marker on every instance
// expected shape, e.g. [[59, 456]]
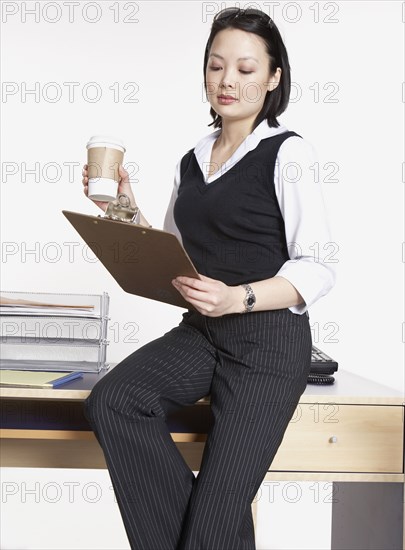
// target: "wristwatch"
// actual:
[[250, 299]]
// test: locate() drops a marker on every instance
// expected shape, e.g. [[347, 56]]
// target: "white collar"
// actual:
[[203, 148]]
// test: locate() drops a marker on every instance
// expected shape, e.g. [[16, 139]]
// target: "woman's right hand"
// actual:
[[124, 186]]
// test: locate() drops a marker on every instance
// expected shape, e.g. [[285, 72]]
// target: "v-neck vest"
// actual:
[[232, 228]]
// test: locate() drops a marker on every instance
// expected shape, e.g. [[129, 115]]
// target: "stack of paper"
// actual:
[[17, 306]]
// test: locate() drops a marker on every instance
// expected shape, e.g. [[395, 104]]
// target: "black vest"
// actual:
[[232, 228]]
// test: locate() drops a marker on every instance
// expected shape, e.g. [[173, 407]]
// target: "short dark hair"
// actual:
[[259, 23]]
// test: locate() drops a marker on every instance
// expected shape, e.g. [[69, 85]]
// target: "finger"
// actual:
[[194, 283], [201, 298], [183, 289], [205, 278], [202, 307], [126, 188], [84, 173], [189, 292], [187, 298], [86, 190], [179, 289], [124, 174]]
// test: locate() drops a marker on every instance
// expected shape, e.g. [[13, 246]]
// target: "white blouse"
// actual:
[[311, 267]]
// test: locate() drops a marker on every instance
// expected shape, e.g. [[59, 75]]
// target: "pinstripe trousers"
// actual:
[[255, 368]]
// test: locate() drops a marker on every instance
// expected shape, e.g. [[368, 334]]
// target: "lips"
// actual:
[[226, 100]]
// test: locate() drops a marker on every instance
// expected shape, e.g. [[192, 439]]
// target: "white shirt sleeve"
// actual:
[[311, 268], [169, 224]]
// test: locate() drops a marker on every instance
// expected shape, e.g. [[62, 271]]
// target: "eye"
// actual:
[[246, 72], [214, 68]]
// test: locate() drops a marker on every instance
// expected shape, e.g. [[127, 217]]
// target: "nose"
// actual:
[[227, 80]]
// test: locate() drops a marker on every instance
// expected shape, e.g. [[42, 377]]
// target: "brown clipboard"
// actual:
[[142, 260]]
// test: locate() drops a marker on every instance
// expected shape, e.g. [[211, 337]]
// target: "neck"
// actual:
[[233, 132]]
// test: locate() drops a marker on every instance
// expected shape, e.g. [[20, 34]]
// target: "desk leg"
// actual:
[[367, 516]]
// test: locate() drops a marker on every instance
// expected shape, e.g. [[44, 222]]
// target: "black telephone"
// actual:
[[322, 368]]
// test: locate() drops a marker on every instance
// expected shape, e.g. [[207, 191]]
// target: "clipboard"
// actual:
[[143, 260]]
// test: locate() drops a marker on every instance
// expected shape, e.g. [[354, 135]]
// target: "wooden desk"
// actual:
[[350, 433]]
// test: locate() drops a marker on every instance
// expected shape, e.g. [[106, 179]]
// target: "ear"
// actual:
[[274, 80]]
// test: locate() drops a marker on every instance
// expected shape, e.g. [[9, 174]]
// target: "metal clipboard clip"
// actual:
[[121, 210]]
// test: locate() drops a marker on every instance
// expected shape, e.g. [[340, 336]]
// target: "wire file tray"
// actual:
[[53, 331]]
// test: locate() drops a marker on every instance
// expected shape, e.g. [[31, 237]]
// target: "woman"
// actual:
[[248, 223]]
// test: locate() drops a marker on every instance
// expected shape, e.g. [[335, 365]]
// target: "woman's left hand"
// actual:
[[209, 296]]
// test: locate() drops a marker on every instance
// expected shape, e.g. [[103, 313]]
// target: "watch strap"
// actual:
[[250, 298]]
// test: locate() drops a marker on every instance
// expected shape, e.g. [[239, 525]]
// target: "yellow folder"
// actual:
[[35, 379]]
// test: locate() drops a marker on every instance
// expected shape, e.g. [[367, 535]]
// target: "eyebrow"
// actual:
[[239, 58]]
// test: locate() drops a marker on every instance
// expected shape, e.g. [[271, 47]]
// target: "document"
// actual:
[[36, 379], [17, 306]]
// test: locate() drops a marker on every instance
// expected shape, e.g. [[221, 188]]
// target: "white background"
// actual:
[[355, 59]]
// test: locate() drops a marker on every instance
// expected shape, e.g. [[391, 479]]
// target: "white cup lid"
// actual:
[[105, 141]]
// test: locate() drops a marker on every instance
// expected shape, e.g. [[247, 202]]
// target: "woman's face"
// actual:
[[238, 66]]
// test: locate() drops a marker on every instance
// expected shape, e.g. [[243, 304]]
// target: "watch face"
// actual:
[[250, 301]]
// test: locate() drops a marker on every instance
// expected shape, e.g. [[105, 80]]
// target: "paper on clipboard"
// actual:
[[142, 260]]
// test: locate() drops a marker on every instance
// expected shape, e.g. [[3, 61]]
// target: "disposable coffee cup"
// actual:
[[104, 156]]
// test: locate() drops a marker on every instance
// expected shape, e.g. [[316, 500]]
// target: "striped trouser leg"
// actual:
[[127, 409], [264, 361], [255, 367]]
